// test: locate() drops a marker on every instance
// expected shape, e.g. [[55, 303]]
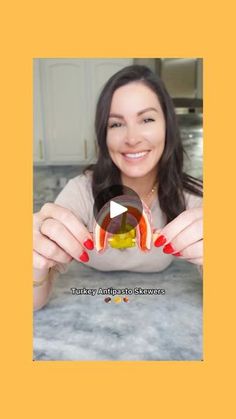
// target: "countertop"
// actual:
[[166, 326]]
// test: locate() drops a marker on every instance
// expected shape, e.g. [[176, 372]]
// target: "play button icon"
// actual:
[[116, 209]]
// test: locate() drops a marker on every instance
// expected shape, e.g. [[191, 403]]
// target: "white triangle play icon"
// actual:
[[116, 209]]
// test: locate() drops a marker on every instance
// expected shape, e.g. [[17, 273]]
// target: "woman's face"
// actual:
[[136, 130]]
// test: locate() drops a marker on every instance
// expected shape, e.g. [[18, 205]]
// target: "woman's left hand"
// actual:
[[183, 236]]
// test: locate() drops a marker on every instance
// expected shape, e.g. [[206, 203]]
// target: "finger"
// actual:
[[40, 262], [173, 228], [193, 251], [57, 232], [156, 233], [49, 249], [69, 220], [190, 235]]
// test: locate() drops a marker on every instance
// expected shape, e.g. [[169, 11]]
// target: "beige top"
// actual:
[[77, 196]]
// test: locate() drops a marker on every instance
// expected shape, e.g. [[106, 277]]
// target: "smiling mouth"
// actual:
[[135, 156]]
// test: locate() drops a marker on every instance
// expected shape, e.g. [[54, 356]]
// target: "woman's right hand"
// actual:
[[58, 236]]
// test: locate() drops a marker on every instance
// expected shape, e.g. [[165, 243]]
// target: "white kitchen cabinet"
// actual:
[[65, 95], [65, 106]]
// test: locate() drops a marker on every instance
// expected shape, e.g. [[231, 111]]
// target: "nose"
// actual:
[[132, 137]]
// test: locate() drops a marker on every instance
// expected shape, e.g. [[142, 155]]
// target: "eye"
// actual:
[[148, 120], [115, 125]]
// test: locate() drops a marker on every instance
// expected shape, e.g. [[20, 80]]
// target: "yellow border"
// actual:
[[120, 29]]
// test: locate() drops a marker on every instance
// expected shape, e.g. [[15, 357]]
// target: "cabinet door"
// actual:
[[38, 147], [65, 110]]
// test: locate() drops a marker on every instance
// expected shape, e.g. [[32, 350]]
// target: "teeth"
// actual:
[[136, 155]]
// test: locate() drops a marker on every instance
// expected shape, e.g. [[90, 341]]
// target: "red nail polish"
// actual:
[[84, 257], [89, 244], [177, 254], [168, 248], [160, 241]]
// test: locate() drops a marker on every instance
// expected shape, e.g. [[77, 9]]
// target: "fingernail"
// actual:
[[160, 241], [89, 244], [84, 257], [168, 248], [177, 254]]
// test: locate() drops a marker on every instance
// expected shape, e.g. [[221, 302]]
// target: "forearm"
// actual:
[[42, 293]]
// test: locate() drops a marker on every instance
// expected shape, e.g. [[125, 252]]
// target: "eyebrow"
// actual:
[[138, 113]]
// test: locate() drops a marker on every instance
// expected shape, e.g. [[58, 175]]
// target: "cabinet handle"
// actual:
[[40, 149], [85, 150]]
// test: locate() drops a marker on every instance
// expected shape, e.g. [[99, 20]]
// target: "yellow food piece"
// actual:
[[117, 300], [121, 243], [123, 240], [131, 232]]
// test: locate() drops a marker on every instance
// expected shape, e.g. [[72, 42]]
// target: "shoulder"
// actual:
[[82, 180], [80, 184], [192, 201]]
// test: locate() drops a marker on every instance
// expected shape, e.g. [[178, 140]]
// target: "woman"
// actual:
[[139, 147]]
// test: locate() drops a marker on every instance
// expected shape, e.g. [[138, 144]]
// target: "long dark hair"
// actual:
[[172, 181]]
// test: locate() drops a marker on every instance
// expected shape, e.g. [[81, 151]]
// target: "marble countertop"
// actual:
[[165, 326]]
